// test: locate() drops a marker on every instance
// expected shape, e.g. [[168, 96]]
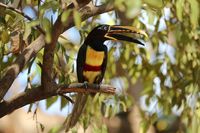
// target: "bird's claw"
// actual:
[[85, 84], [98, 86]]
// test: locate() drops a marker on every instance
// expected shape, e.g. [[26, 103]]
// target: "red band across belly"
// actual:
[[91, 68]]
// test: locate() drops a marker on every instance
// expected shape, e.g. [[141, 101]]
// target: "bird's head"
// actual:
[[115, 32]]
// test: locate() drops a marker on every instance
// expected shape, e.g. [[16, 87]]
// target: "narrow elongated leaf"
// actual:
[[154, 3], [65, 16], [50, 101], [46, 24], [179, 9], [5, 36], [27, 31], [194, 17], [63, 102], [77, 18]]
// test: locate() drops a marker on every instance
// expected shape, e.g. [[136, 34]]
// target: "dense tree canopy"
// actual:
[[161, 79]]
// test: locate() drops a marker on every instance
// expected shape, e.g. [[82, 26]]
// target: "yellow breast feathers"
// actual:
[[93, 57]]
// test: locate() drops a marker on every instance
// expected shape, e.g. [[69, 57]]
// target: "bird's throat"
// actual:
[[93, 63], [93, 57]]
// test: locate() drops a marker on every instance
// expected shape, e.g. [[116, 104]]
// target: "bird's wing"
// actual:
[[81, 99], [80, 62]]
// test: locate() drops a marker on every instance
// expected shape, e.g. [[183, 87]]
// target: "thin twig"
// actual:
[[66, 97], [30, 52], [21, 13]]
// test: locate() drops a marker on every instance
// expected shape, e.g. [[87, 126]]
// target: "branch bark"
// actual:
[[87, 11], [36, 94], [12, 71]]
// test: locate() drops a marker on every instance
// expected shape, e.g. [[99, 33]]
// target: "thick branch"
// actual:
[[91, 88], [35, 94], [19, 64], [58, 28], [15, 10], [78, 4], [48, 57]]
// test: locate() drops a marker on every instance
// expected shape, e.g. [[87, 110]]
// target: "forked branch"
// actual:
[[35, 94]]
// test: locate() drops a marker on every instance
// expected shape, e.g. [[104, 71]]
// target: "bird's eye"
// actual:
[[103, 28]]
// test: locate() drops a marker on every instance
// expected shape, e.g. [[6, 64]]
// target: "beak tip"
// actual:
[[145, 34]]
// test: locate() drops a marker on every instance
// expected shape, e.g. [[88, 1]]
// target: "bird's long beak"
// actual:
[[116, 32]]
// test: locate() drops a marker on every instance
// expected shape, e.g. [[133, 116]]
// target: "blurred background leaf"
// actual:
[[158, 85]]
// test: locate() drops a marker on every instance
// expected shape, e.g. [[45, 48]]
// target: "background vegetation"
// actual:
[[157, 85]]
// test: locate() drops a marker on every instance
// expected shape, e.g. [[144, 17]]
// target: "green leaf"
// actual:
[[65, 16], [41, 127], [27, 31], [30, 107], [151, 16], [63, 103], [51, 4], [28, 2], [143, 126], [54, 129], [162, 125], [28, 28], [46, 24], [5, 37], [194, 15], [154, 3], [123, 105], [132, 7], [127, 54], [195, 123], [107, 111], [77, 19], [50, 101], [179, 9], [2, 20]]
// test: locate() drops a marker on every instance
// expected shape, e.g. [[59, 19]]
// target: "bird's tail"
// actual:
[[78, 108]]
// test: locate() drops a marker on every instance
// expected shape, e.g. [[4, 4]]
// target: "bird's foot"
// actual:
[[98, 86], [85, 84]]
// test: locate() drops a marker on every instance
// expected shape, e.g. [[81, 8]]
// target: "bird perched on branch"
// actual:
[[92, 60]]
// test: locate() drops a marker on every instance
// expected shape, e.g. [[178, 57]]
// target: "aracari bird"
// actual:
[[92, 60]]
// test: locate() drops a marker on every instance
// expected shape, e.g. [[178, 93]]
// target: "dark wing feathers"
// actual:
[[80, 62]]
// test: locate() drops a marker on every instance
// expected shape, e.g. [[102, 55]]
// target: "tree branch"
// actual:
[[78, 4], [91, 88], [34, 47], [48, 57], [36, 94], [23, 14], [86, 12], [19, 64]]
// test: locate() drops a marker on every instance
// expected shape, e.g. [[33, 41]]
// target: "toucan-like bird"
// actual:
[[92, 60]]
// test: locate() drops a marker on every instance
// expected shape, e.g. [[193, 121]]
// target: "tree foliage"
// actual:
[[168, 66]]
